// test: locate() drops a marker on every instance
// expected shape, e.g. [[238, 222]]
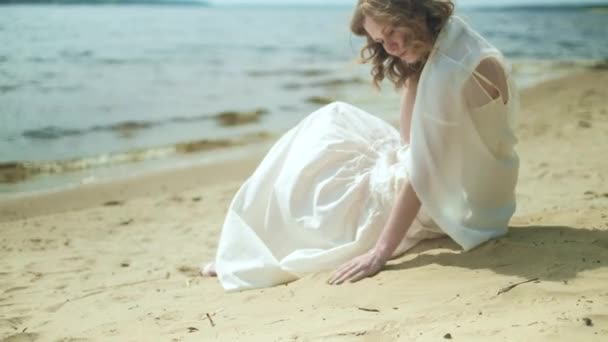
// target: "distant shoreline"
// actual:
[[505, 7], [106, 2], [540, 7]]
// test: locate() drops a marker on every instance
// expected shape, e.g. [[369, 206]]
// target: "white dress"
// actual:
[[322, 194]]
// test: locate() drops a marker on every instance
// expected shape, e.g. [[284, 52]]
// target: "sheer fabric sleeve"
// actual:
[[465, 186]]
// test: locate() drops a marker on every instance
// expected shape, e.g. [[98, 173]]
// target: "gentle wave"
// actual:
[[289, 72], [332, 83], [129, 128], [15, 172], [526, 72]]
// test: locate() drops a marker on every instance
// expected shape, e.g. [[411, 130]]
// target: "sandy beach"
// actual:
[[119, 261]]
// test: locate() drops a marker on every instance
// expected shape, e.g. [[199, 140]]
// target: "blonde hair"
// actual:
[[404, 16]]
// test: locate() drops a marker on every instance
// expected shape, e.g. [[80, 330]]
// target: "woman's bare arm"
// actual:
[[406, 204], [404, 211], [402, 215]]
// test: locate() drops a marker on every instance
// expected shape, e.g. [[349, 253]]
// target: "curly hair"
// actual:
[[403, 16]]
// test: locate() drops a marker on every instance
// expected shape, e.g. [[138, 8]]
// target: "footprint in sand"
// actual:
[[17, 288], [22, 337], [593, 195], [13, 324], [189, 271], [113, 203]]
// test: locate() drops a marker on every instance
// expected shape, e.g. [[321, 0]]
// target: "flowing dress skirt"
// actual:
[[320, 197]]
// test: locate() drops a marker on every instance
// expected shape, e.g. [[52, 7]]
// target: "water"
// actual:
[[83, 82]]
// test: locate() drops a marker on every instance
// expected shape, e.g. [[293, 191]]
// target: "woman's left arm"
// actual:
[[402, 215]]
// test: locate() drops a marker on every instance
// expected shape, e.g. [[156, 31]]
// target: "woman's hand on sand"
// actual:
[[363, 266]]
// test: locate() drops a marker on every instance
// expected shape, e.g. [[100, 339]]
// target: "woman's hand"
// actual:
[[363, 266], [401, 217]]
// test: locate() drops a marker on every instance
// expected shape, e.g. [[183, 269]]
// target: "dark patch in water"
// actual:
[[259, 73], [304, 73], [339, 82], [316, 50], [45, 89], [288, 108], [127, 129], [69, 88], [3, 59], [13, 172], [292, 86], [124, 129], [232, 118], [40, 60], [112, 61], [603, 65], [5, 88], [267, 48], [50, 132], [201, 145], [320, 100], [311, 72], [568, 44], [76, 54], [48, 75], [183, 119], [131, 125], [327, 83], [206, 144]]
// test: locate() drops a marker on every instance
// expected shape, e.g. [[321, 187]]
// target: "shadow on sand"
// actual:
[[552, 253]]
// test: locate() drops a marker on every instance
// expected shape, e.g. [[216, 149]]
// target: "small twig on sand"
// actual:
[[210, 320], [511, 287], [368, 310]]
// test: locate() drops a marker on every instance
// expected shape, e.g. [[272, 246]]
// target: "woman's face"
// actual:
[[395, 42]]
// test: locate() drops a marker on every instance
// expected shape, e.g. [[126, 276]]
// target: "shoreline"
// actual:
[[28, 178], [177, 178], [148, 184]]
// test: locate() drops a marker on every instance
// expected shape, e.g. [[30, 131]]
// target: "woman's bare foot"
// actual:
[[208, 270]]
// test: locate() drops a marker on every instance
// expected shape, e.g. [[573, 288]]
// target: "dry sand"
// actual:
[[118, 262]]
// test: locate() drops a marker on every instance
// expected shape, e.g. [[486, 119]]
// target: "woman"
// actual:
[[344, 190]]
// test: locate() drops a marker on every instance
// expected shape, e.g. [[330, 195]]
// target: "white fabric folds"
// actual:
[[323, 193]]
